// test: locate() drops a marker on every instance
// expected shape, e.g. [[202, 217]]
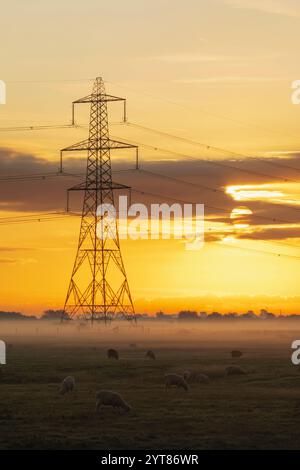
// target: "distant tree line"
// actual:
[[192, 315], [15, 316], [47, 315], [186, 315]]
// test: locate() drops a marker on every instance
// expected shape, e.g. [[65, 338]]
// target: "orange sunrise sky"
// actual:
[[204, 80]]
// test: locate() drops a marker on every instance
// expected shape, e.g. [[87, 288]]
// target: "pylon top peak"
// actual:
[[99, 86]]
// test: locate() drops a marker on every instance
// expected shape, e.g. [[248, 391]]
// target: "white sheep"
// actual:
[[176, 381], [235, 370], [67, 385], [114, 399], [187, 375], [202, 378], [194, 376]]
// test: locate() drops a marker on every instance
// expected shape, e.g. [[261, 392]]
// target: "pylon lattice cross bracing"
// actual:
[[98, 288]]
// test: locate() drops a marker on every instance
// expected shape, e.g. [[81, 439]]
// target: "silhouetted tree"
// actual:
[[250, 315], [215, 316], [160, 315], [187, 315], [52, 315]]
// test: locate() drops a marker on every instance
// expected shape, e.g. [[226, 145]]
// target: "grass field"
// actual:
[[260, 410]]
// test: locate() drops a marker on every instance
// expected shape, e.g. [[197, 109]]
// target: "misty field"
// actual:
[[260, 410]]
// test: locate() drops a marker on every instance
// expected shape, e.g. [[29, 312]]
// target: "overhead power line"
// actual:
[[198, 185], [49, 81], [36, 217], [155, 97], [43, 176], [179, 180], [278, 255], [31, 176], [217, 149], [213, 162], [218, 209], [36, 128], [204, 111], [50, 216], [190, 141]]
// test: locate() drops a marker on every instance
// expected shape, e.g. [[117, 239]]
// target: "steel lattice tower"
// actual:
[[98, 288]]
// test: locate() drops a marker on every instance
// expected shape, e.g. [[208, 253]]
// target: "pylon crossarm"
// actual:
[[106, 144], [98, 97], [84, 186], [117, 144], [102, 98], [79, 146]]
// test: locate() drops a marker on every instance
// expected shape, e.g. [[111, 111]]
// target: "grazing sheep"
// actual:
[[187, 375], [114, 399], [67, 385], [112, 354], [235, 370], [202, 378], [150, 355], [236, 353], [176, 381], [193, 376]]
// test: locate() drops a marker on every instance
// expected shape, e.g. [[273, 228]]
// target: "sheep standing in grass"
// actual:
[[150, 355], [194, 376], [112, 354], [67, 385], [202, 378], [114, 399], [235, 370], [187, 375], [175, 380], [236, 353]]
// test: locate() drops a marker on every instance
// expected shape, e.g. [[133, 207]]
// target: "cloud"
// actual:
[[21, 261], [42, 193], [195, 57], [290, 8], [280, 233], [230, 80], [11, 248], [201, 57], [276, 193], [49, 194]]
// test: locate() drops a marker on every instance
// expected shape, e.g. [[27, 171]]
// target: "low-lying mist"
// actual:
[[146, 333]]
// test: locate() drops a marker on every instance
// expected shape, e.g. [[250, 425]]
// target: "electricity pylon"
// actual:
[[98, 288]]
